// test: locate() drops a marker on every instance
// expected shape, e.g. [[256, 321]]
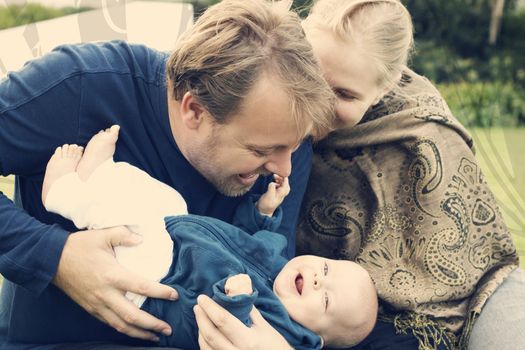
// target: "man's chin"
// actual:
[[233, 188]]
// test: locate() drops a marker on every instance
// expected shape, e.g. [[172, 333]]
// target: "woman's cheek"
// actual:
[[346, 113]]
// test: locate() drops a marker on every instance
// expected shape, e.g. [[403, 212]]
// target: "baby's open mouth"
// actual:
[[299, 284]]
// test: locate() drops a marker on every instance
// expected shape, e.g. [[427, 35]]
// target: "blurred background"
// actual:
[[473, 50]]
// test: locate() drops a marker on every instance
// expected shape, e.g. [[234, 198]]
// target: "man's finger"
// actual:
[[132, 315], [121, 236], [257, 318], [228, 325], [134, 283], [109, 317], [209, 336], [203, 345]]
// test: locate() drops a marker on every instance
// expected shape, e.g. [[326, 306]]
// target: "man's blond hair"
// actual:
[[232, 44]]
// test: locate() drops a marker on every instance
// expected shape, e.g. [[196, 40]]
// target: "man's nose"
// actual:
[[280, 163]]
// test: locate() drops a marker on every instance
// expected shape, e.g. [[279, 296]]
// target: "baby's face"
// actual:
[[319, 293]]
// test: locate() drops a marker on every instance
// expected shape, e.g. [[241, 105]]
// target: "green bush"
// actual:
[[302, 7], [461, 25], [486, 104], [16, 15], [441, 64]]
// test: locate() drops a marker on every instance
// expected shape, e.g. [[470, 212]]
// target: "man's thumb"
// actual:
[[256, 316], [122, 236]]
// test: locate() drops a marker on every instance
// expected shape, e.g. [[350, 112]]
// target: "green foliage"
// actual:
[[462, 25], [512, 28], [16, 15], [512, 40], [302, 7], [199, 6], [442, 64], [484, 85], [486, 104]]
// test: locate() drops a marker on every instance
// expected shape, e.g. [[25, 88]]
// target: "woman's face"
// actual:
[[351, 74]]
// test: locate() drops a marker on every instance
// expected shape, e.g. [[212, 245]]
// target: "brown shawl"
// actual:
[[401, 193]]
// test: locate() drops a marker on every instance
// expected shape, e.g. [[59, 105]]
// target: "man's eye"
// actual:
[[325, 301], [260, 153], [325, 269]]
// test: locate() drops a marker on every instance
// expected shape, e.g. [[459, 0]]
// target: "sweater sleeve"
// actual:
[[39, 109], [239, 305], [301, 166], [249, 219]]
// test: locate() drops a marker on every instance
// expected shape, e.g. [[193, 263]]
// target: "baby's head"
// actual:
[[333, 298]]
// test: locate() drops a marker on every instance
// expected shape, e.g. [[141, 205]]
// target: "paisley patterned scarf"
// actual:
[[401, 193]]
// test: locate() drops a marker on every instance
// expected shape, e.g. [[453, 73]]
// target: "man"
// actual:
[[229, 106]]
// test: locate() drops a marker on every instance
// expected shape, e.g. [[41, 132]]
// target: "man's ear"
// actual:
[[192, 111]]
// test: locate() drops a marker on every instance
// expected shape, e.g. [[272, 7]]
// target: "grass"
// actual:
[[499, 152]]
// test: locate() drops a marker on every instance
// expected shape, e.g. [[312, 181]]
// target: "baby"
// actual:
[[311, 300]]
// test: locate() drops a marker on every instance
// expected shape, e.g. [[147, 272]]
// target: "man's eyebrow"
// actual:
[[271, 147], [265, 147]]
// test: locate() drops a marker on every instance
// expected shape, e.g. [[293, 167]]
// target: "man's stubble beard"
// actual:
[[201, 157]]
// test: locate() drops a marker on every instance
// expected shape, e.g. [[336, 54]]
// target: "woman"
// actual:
[[397, 189]]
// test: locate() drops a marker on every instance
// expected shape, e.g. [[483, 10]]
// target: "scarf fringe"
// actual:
[[467, 330], [427, 331]]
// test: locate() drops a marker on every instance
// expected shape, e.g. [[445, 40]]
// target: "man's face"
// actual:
[[320, 293], [258, 140]]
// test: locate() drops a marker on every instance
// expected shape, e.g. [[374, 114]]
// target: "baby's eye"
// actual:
[[325, 270], [325, 301]]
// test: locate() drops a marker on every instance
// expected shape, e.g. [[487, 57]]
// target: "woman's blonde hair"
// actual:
[[233, 44], [380, 28]]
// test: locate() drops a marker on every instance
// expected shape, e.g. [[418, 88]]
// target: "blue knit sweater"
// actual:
[[206, 252]]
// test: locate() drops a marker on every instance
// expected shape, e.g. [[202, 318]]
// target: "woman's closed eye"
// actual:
[[344, 95]]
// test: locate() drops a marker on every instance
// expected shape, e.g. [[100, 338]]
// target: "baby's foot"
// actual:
[[100, 148], [62, 162]]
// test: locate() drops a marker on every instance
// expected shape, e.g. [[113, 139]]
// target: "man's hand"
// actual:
[[238, 284], [89, 273], [220, 330]]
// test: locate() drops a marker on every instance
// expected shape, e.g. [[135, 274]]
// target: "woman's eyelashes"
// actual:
[[344, 95]]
